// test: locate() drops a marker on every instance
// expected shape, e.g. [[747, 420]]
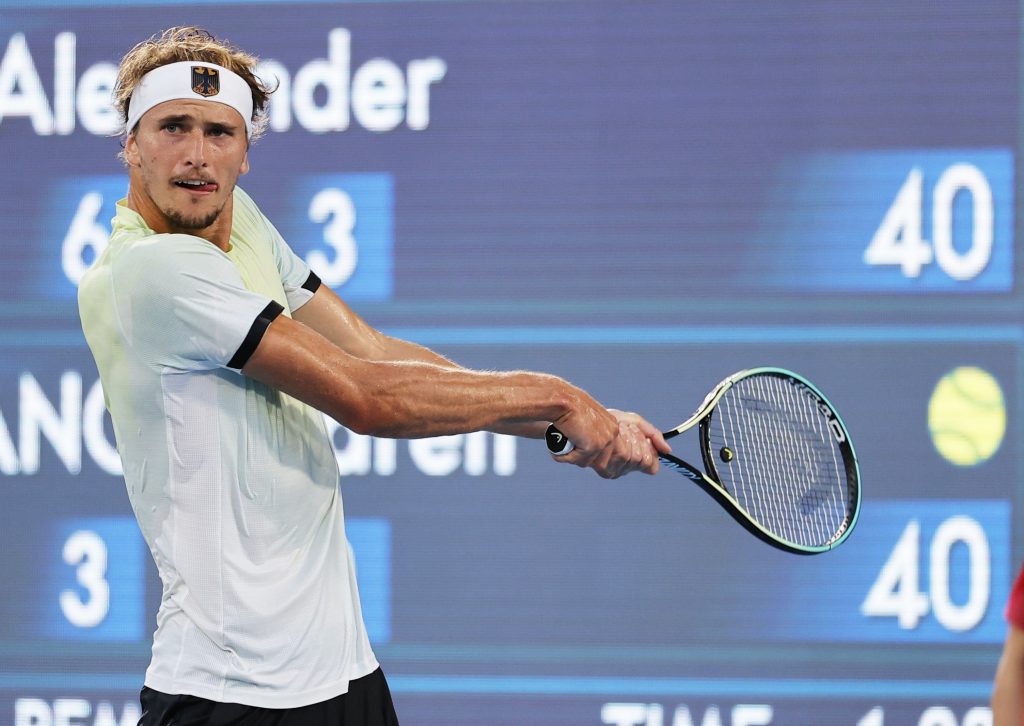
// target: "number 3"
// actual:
[[334, 207], [89, 552]]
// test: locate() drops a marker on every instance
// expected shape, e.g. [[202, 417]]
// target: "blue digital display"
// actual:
[[75, 229], [343, 227], [96, 585], [895, 221], [639, 197], [928, 572], [370, 539]]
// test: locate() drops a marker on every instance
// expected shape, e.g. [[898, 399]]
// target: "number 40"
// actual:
[[897, 592], [899, 240]]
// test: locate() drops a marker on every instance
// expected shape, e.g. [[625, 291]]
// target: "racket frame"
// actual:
[[708, 481]]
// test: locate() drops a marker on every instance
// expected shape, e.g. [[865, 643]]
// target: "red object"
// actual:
[[1015, 605]]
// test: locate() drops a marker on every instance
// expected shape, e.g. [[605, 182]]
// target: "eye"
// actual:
[[171, 127]]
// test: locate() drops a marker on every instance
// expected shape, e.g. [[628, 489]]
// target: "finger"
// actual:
[[645, 456], [576, 457], [653, 464], [648, 430], [607, 467], [619, 457], [623, 452], [635, 453], [655, 436]]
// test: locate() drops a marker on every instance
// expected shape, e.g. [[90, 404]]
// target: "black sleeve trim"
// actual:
[[312, 282], [255, 334]]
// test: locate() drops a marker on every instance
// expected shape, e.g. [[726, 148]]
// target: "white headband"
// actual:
[[195, 81]]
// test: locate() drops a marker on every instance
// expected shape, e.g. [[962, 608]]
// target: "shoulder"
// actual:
[[167, 263], [246, 212], [243, 199]]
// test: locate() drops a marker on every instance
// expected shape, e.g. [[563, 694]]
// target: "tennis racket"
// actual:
[[776, 456]]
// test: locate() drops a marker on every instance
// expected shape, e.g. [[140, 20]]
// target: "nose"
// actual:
[[196, 149]]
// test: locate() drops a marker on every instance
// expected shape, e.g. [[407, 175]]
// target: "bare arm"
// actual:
[[1008, 688], [413, 391], [330, 316], [327, 314], [410, 399]]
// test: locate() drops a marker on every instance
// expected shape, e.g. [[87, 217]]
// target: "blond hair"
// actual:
[[189, 43]]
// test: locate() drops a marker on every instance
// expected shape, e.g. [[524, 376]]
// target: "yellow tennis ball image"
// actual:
[[967, 416]]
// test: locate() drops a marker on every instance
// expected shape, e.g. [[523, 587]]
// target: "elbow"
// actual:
[[362, 425], [359, 418], [364, 413], [353, 400]]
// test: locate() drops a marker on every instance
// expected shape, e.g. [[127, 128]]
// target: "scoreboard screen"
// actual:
[[641, 197]]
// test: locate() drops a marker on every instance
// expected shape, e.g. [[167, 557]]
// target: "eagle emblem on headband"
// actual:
[[205, 81]]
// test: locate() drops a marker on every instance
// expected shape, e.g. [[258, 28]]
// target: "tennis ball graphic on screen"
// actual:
[[967, 416]]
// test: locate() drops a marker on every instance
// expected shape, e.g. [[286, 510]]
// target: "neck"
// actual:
[[218, 232]]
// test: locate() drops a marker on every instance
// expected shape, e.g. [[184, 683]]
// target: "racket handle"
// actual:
[[557, 442]]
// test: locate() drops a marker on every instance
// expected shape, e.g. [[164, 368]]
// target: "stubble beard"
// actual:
[[190, 224]]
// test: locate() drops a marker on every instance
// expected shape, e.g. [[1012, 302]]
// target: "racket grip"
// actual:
[[557, 442]]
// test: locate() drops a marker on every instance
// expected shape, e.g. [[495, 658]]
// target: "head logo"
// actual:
[[205, 81], [831, 419]]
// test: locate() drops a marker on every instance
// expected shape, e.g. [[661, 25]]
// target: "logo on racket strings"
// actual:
[[832, 421]]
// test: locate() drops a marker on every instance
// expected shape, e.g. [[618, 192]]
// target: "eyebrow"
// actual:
[[183, 117]]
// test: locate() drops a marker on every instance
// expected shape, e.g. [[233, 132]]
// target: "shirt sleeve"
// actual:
[[183, 305], [1015, 605], [299, 282]]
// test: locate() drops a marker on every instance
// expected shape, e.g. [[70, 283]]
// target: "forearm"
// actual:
[[328, 315], [405, 398], [410, 402], [396, 349], [410, 399], [404, 350]]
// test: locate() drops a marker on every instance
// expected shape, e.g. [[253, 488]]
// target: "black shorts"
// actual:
[[367, 703]]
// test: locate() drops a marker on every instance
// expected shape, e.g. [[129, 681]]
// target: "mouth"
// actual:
[[197, 186]]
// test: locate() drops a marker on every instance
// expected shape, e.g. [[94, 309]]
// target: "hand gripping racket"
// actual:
[[776, 456]]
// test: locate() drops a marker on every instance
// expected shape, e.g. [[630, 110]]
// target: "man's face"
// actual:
[[185, 158]]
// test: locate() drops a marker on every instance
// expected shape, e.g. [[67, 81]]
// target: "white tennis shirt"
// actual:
[[234, 484]]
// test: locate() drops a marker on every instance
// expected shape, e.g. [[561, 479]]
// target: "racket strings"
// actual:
[[816, 492], [786, 469], [760, 476]]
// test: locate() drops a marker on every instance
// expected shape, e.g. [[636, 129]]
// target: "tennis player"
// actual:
[[218, 350], [1008, 688]]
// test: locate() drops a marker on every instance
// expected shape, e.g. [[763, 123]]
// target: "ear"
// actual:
[[131, 150], [244, 168]]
